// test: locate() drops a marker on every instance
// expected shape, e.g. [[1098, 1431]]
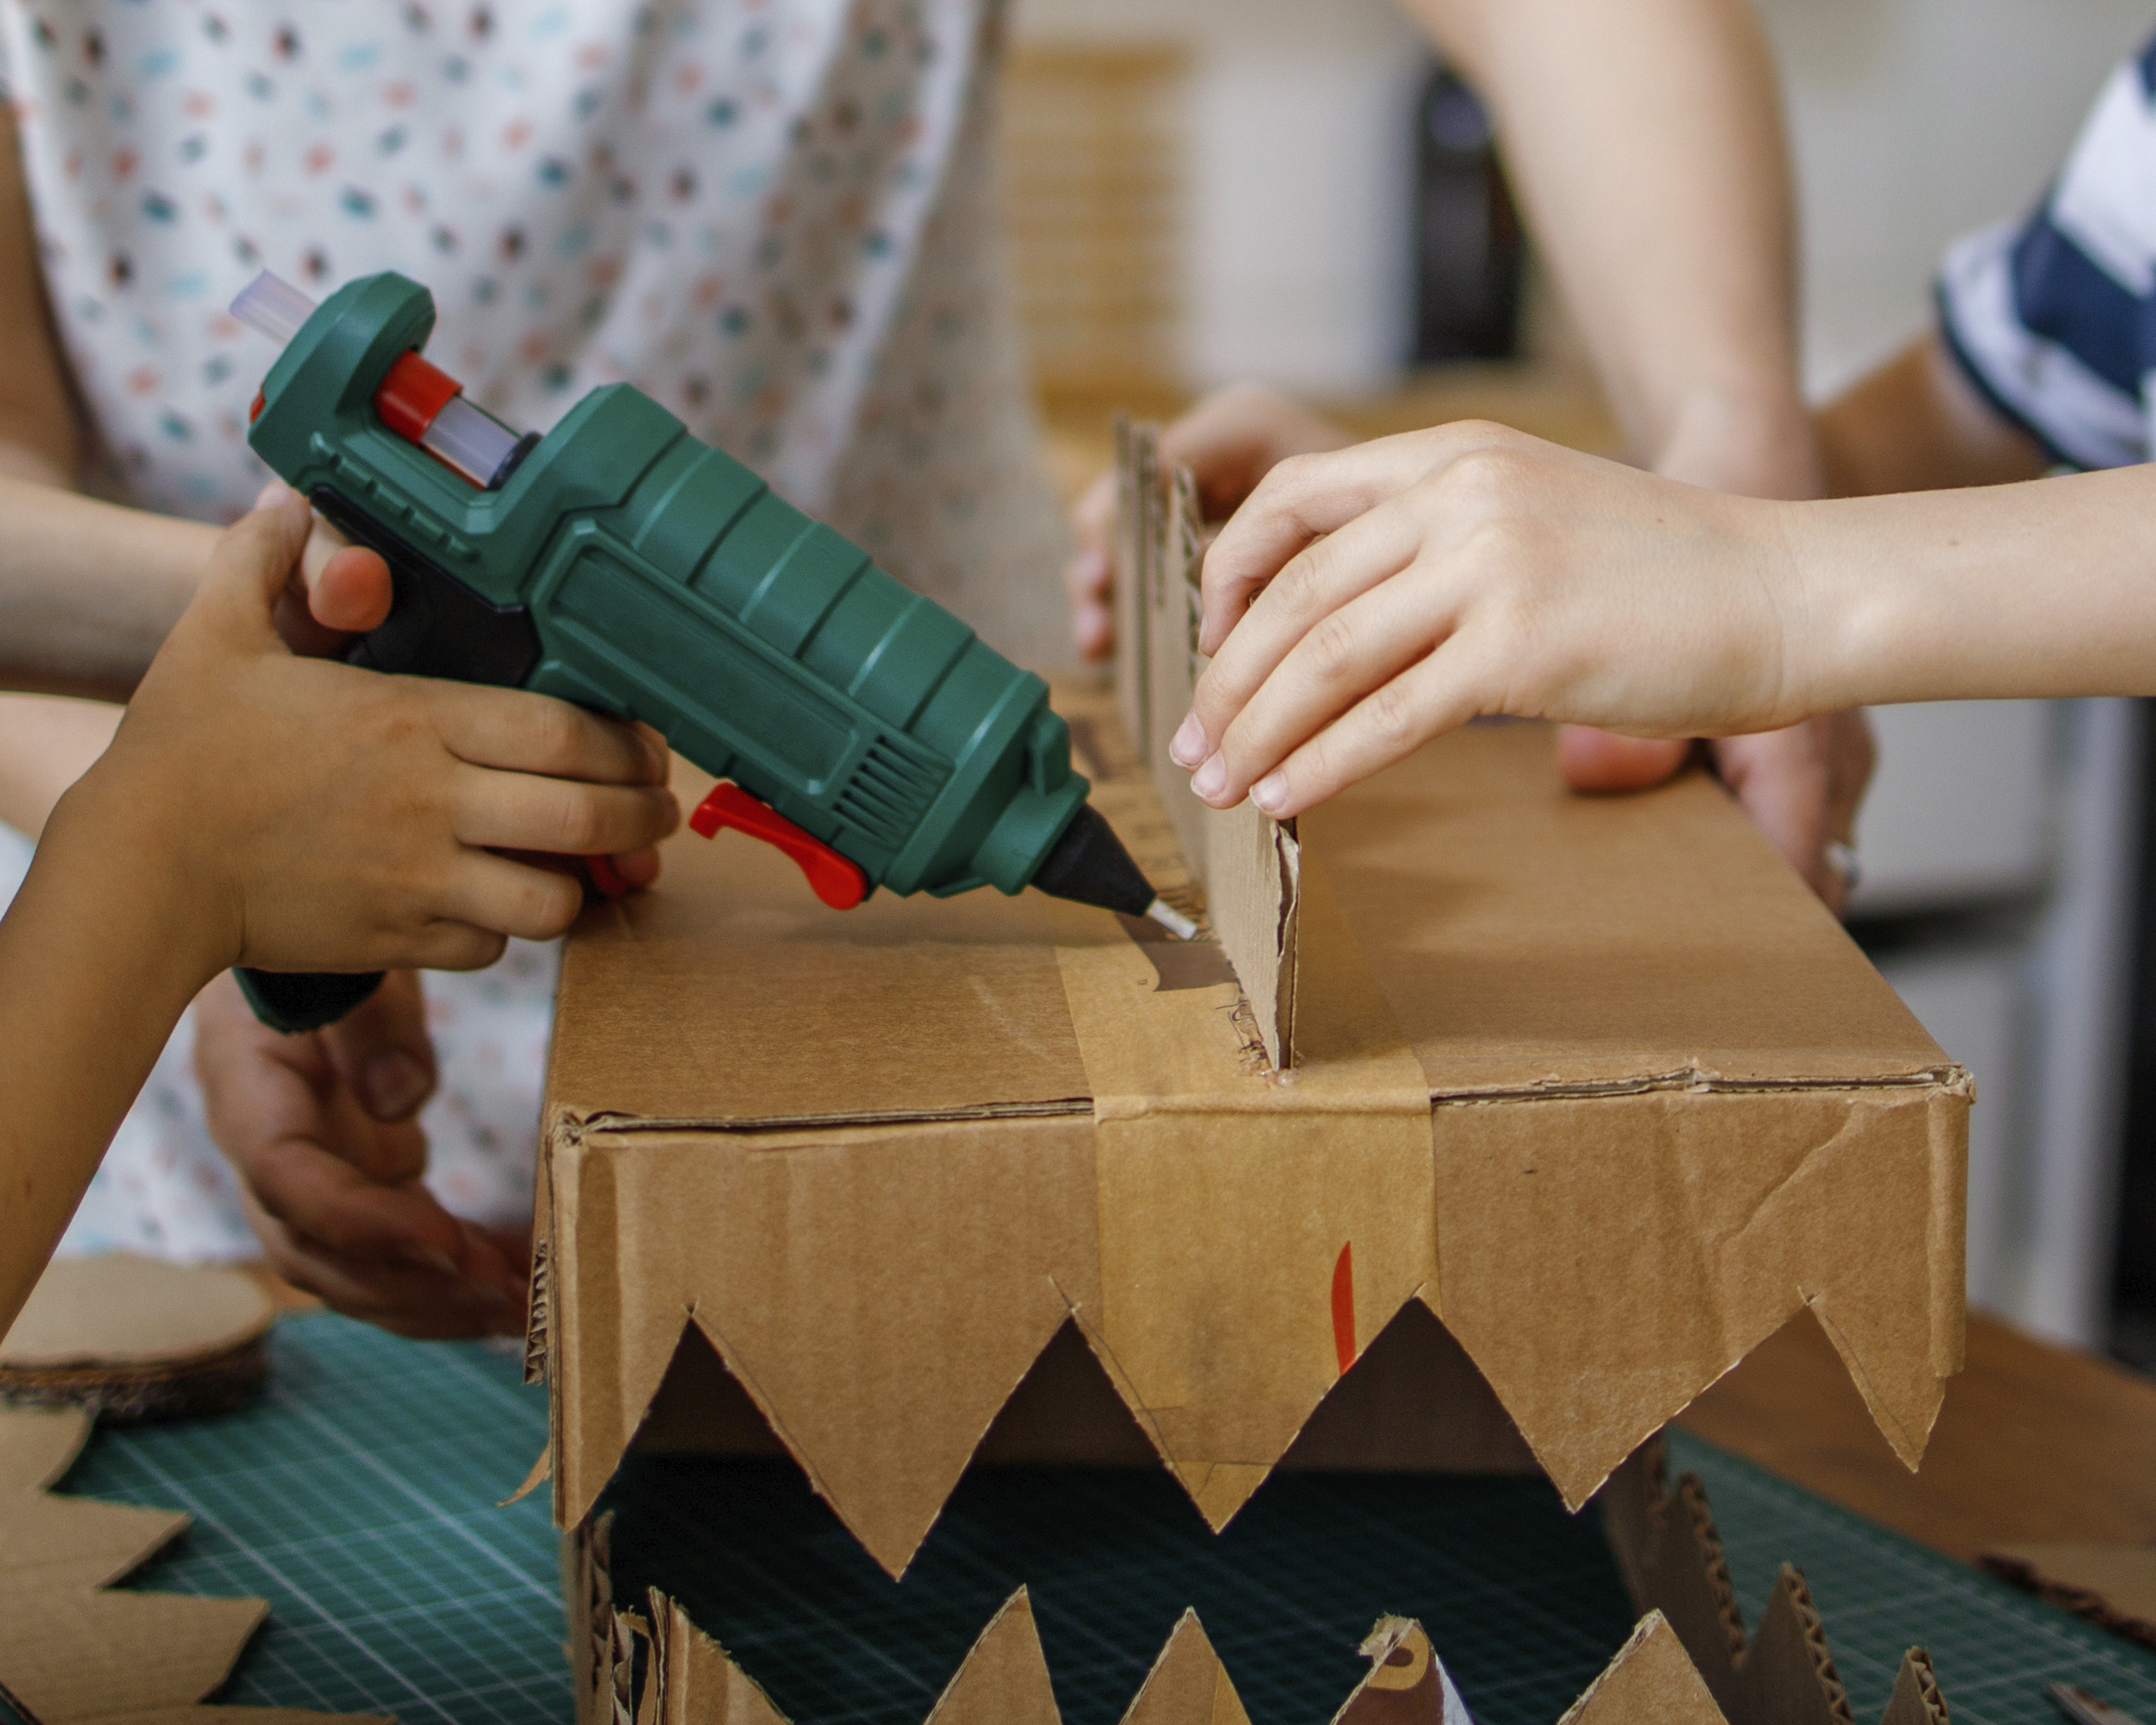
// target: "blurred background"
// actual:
[[1176, 176]]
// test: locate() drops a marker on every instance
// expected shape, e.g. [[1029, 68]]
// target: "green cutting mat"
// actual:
[[358, 1498]]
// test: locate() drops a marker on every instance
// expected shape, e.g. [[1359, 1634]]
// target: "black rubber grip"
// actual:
[[293, 1001]]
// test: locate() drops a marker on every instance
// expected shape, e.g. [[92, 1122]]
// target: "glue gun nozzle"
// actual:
[[1172, 919]]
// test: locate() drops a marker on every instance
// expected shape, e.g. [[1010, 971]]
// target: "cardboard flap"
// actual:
[[1717, 1217], [1004, 1679], [878, 1324], [1407, 1683], [1670, 1556], [1187, 1685], [49, 1543], [1225, 1333], [1649, 1682]]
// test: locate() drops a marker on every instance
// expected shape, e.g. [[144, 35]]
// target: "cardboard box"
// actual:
[[1535, 1114], [1596, 1082]]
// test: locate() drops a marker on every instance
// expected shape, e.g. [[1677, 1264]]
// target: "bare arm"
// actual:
[[1645, 142], [1918, 424], [87, 589]]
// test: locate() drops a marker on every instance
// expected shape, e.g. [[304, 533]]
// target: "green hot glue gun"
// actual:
[[619, 563]]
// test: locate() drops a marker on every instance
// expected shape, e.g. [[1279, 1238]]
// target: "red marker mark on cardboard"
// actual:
[[1343, 1306]]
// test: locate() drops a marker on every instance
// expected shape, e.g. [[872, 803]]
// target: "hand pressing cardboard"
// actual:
[[1800, 784]]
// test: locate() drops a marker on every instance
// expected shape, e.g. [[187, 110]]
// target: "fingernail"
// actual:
[[1269, 791], [395, 1084], [1212, 778], [1187, 747], [272, 493]]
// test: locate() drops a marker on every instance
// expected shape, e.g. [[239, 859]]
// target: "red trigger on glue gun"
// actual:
[[837, 879]]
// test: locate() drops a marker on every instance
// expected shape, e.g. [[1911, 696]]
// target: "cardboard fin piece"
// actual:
[[74, 1653], [1917, 1700], [1187, 1685], [1004, 1679], [1138, 503], [1650, 1679], [1670, 1556], [1248, 866], [1407, 1683], [2113, 1586]]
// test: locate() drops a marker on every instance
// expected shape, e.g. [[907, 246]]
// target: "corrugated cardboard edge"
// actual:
[[1247, 865], [1670, 1555], [75, 1653], [1004, 1679], [2111, 1586]]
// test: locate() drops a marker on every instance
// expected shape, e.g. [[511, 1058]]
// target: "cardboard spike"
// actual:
[[1187, 1685], [1670, 1555], [1407, 1683], [694, 1680], [1917, 1700], [75, 1653], [1004, 1679], [1670, 1558], [1649, 1682], [1787, 1676]]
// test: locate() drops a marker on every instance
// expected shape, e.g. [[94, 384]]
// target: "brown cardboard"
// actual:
[[2114, 1586], [1248, 867], [1688, 1662], [131, 1338], [690, 1680], [1670, 1555], [1595, 1082], [72, 1651]]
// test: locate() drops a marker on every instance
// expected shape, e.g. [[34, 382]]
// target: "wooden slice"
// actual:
[[132, 1339]]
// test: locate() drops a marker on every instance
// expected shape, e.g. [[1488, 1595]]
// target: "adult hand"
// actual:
[[1229, 441], [320, 1130], [1385, 593]]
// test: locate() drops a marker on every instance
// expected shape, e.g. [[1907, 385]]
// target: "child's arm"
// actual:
[[293, 813], [1918, 424], [1383, 595]]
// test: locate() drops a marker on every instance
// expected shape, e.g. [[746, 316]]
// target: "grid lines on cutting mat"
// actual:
[[1993, 1646], [1522, 1601], [358, 1496]]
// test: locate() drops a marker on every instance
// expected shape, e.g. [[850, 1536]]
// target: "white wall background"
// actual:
[[1914, 120]]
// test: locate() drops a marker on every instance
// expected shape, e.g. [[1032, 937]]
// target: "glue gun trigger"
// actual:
[[838, 881]]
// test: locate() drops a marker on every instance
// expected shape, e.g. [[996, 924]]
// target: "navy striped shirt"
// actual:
[[2054, 318]]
